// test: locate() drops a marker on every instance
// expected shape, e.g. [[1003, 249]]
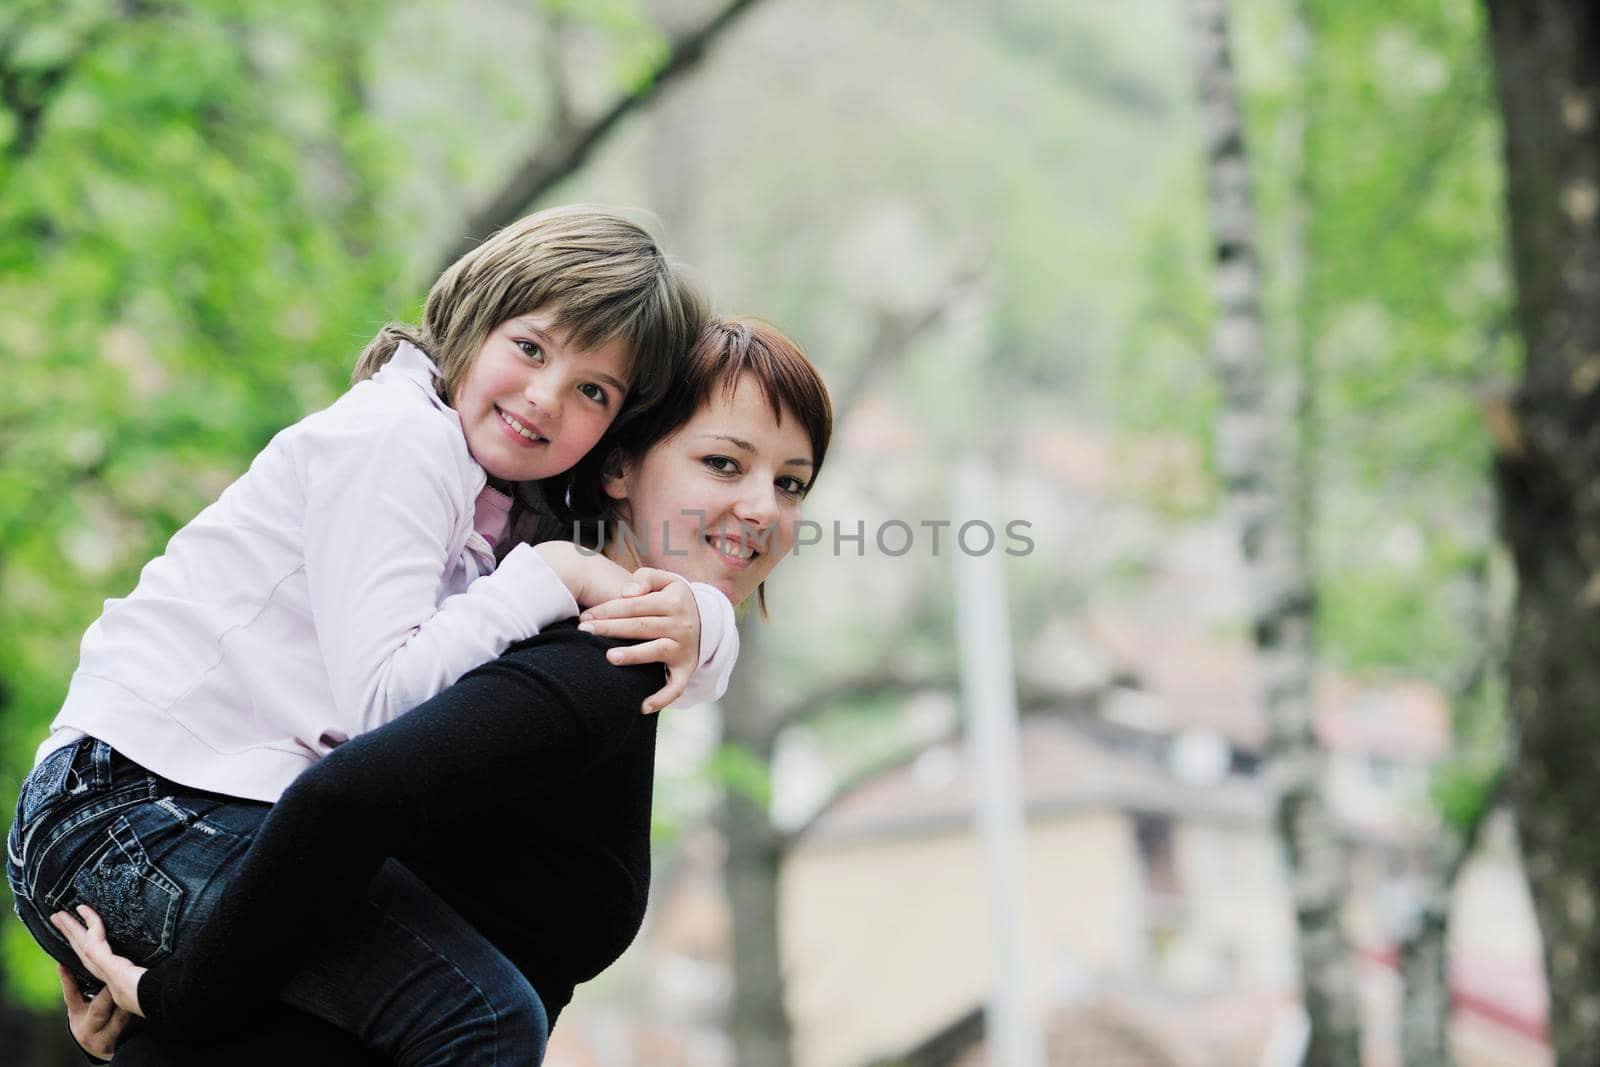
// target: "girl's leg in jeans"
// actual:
[[156, 860], [541, 713], [406, 977]]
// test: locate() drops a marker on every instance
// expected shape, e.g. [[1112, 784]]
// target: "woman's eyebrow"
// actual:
[[739, 442]]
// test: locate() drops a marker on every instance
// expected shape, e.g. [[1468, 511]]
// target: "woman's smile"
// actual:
[[734, 551], [731, 480]]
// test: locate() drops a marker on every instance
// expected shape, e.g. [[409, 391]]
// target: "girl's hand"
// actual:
[[658, 609], [589, 577], [88, 939], [95, 1024]]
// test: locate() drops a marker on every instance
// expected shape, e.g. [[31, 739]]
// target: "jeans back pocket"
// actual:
[[47, 783], [135, 899]]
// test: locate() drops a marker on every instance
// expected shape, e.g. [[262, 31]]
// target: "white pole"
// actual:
[[989, 692]]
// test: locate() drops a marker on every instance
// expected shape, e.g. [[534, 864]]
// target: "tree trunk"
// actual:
[[759, 1022], [675, 161], [1274, 540], [1424, 963], [1425, 984], [1547, 473]]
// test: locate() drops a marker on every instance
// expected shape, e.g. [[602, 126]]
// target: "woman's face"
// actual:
[[531, 404], [717, 502]]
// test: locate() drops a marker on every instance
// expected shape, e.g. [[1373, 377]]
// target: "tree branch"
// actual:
[[884, 679], [864, 774], [569, 147], [890, 680], [1465, 843], [892, 334], [1030, 698], [555, 71]]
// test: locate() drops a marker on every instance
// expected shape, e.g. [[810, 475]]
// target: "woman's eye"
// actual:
[[593, 392], [532, 350], [793, 486], [720, 464]]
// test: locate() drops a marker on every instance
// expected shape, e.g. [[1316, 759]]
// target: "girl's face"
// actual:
[[531, 405], [717, 502]]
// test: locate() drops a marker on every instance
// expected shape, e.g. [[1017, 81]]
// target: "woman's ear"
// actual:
[[616, 475]]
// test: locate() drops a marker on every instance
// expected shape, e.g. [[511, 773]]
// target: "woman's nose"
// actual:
[[758, 507]]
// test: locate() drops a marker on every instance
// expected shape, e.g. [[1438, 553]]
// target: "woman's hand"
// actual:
[[95, 1024], [659, 609], [88, 939], [589, 577]]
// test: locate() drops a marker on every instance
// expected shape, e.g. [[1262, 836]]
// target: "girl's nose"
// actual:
[[543, 392]]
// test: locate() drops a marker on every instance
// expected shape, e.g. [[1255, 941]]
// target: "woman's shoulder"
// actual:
[[564, 641], [577, 662], [563, 672]]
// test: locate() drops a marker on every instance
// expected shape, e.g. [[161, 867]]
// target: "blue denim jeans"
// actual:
[[406, 974]]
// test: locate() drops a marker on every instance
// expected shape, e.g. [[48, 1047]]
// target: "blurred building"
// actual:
[[1157, 906], [1133, 878]]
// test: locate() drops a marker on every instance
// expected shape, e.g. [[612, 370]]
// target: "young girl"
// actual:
[[350, 574], [542, 745]]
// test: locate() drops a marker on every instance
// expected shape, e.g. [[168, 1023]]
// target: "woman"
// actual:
[[521, 795]]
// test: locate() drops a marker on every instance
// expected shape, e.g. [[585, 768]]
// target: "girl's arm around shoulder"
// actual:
[[688, 627], [387, 511], [719, 646]]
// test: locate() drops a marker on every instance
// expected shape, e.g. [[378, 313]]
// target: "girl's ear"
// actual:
[[616, 475]]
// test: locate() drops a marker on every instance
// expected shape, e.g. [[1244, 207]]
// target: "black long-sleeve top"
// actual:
[[521, 794]]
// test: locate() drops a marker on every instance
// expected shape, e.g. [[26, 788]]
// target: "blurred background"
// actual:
[[997, 229]]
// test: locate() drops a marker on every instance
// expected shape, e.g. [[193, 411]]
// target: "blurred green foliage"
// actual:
[[190, 261]]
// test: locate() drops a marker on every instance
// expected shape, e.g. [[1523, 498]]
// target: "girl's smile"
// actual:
[[531, 405], [522, 432]]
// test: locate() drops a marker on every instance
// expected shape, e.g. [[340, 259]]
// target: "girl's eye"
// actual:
[[532, 350], [792, 486], [721, 464], [593, 392]]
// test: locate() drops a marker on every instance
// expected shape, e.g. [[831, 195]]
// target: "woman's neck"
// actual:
[[620, 550], [621, 553]]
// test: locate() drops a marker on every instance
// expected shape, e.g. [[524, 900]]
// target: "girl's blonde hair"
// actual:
[[603, 275]]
